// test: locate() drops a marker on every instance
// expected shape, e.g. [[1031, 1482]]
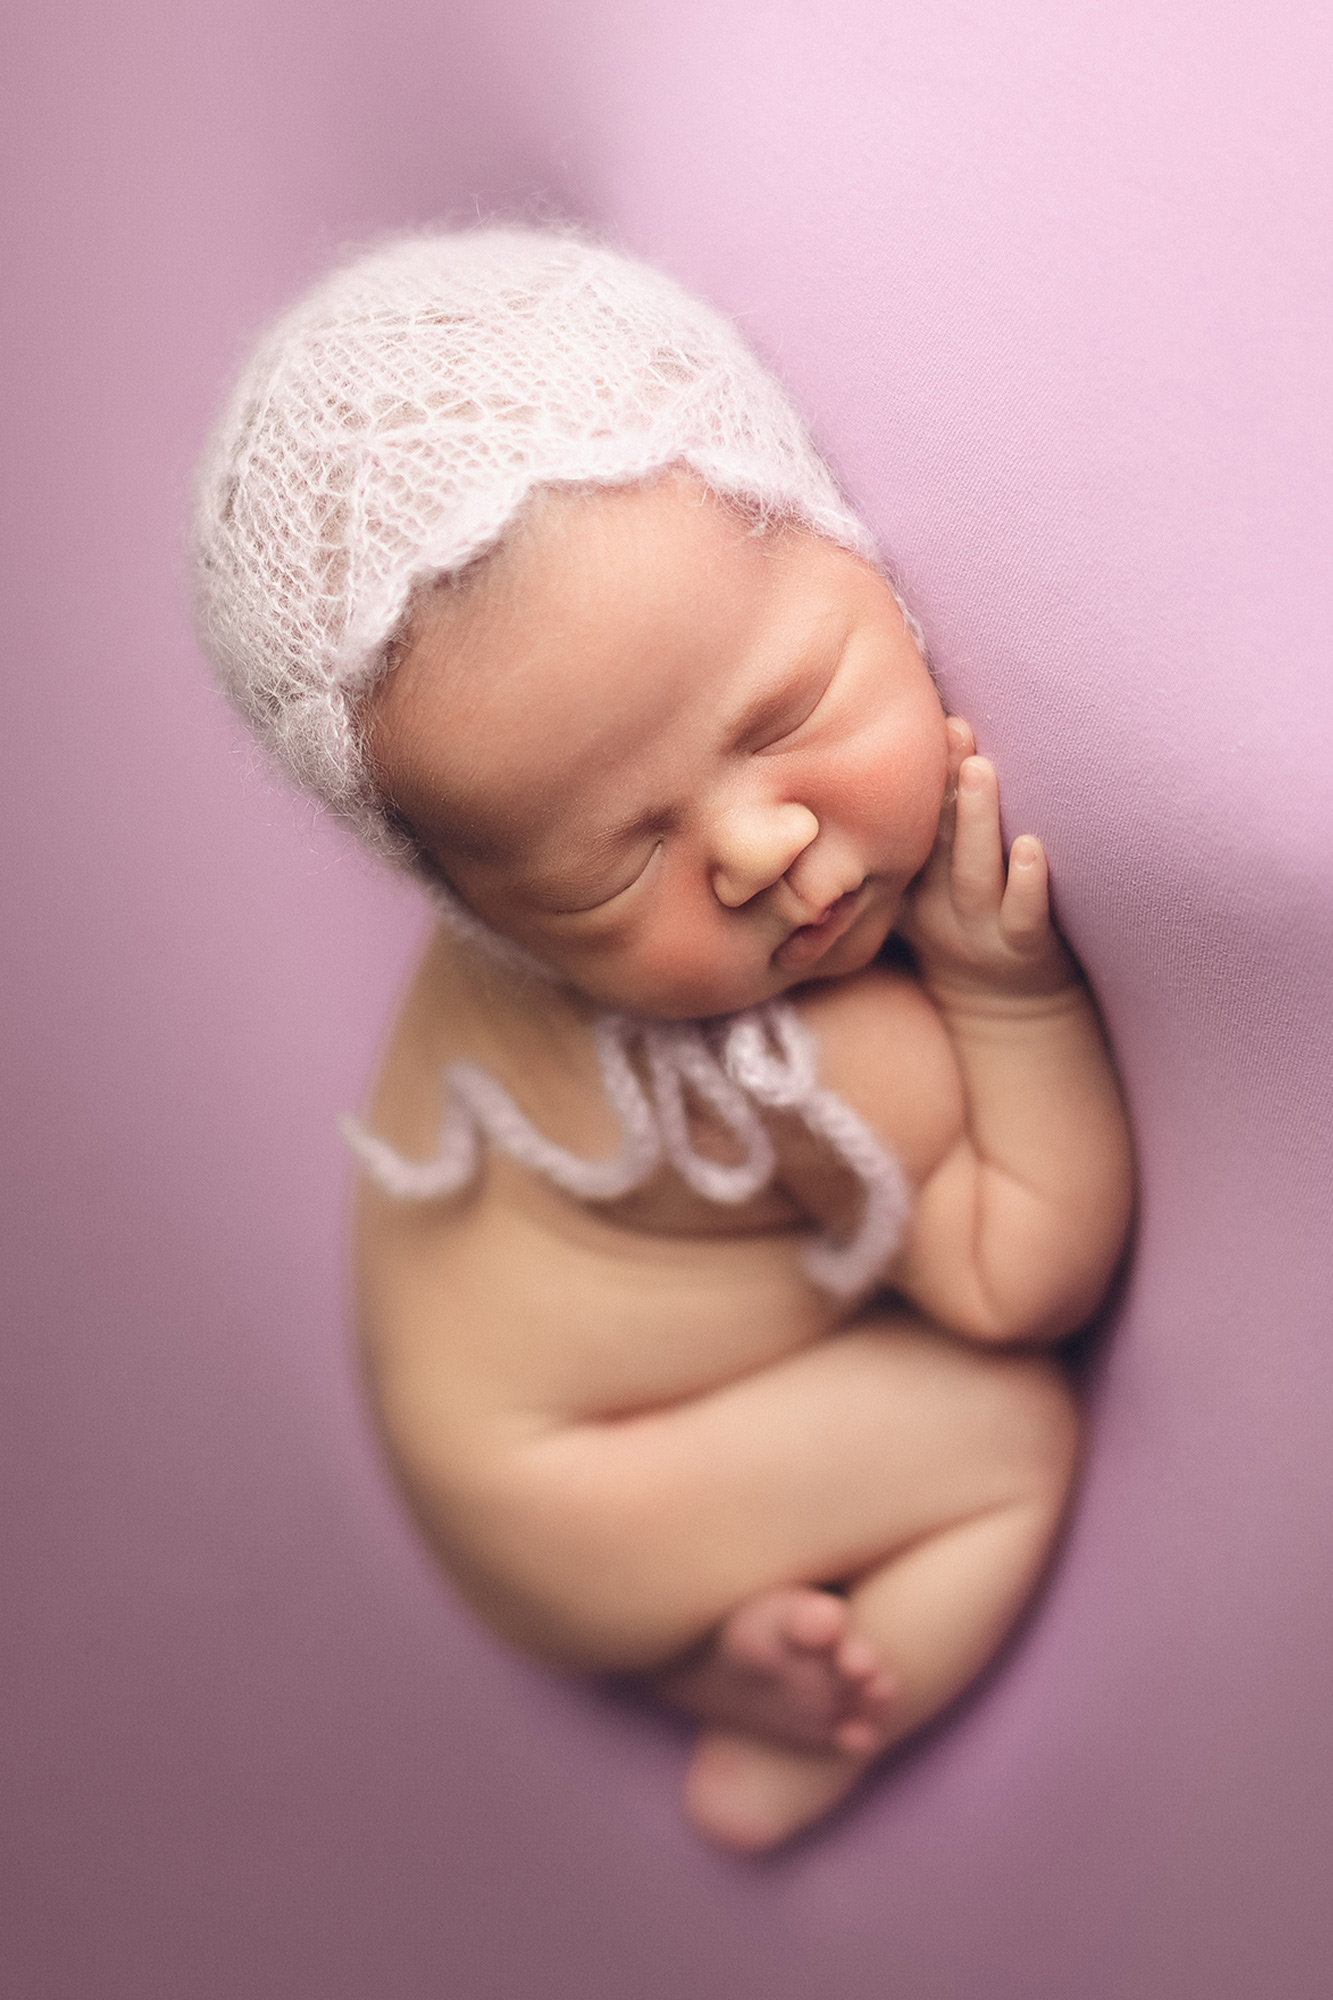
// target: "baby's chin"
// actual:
[[851, 953]]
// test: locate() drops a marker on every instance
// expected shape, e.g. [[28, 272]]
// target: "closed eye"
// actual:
[[579, 903], [787, 716]]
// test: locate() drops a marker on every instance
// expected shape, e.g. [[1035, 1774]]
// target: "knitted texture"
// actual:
[[763, 1056], [389, 431], [392, 425]]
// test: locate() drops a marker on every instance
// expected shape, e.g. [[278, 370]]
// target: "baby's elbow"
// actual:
[[1054, 1269], [1021, 1312], [1035, 1329], [1011, 1325], [1019, 1270], [984, 1305]]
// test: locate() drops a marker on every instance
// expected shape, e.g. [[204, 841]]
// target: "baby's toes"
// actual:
[[816, 1622], [879, 1695], [872, 1690], [858, 1737], [857, 1659], [863, 1729]]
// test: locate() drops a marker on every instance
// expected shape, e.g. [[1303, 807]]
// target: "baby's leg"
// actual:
[[937, 1612], [912, 1634], [618, 1544], [926, 1475]]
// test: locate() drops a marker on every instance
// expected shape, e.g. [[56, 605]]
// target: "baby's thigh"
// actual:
[[637, 1534]]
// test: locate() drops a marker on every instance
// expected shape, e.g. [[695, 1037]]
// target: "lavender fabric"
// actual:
[[1052, 285]]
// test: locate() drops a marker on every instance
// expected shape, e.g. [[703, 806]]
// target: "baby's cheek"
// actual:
[[683, 966], [895, 789], [678, 968]]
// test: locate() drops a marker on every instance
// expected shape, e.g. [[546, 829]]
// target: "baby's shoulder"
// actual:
[[884, 1050], [874, 1022]]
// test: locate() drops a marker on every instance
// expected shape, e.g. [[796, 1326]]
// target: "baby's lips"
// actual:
[[809, 943]]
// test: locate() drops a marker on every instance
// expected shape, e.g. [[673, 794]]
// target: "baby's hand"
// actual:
[[976, 928]]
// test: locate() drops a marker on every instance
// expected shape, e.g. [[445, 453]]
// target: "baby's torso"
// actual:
[[511, 1306]]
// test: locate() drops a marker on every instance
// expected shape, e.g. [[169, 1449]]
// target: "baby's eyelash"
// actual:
[[785, 723], [602, 902]]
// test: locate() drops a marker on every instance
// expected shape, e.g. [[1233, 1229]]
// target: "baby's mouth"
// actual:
[[811, 941]]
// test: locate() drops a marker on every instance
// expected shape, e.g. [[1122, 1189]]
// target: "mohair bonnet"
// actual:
[[390, 428], [386, 433]]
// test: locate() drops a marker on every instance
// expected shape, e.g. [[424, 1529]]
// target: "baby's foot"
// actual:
[[788, 1666], [747, 1795]]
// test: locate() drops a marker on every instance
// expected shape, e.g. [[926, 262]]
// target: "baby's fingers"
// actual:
[[976, 873], [1025, 912], [961, 743]]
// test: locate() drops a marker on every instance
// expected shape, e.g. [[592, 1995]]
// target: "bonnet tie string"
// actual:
[[760, 1057]]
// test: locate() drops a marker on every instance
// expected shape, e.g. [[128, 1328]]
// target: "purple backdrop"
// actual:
[[1053, 282]]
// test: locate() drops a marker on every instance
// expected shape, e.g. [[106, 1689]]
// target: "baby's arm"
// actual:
[[1017, 1229]]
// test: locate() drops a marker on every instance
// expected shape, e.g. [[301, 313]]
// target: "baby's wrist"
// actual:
[[1032, 988], [974, 1008]]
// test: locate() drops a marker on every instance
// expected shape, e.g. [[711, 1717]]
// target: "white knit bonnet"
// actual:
[[390, 428], [387, 432]]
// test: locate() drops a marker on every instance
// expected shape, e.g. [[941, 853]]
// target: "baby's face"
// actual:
[[687, 766]]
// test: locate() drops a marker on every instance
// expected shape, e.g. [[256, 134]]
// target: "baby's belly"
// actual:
[[525, 1311]]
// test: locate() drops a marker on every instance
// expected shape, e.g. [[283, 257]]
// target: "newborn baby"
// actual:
[[700, 1336]]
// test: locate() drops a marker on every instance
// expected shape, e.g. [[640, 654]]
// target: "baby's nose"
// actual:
[[755, 848]]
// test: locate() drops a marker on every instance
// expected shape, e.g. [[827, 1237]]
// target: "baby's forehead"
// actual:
[[591, 552]]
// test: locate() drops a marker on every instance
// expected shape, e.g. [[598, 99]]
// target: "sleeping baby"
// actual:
[[706, 1249]]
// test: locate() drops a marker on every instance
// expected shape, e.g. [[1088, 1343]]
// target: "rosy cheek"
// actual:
[[895, 784], [679, 962]]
